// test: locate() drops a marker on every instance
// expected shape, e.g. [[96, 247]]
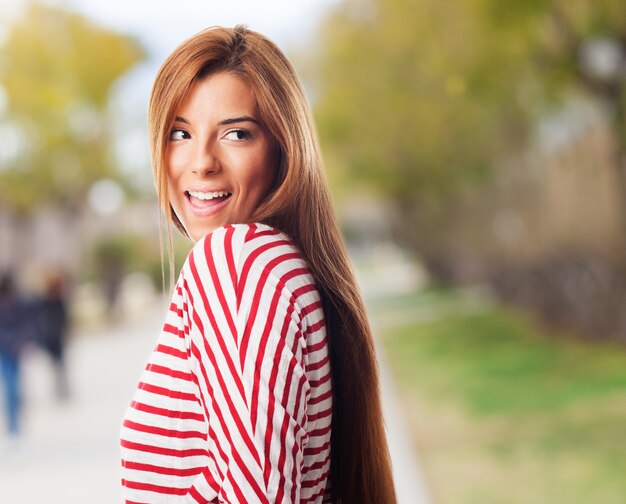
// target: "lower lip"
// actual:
[[207, 209]]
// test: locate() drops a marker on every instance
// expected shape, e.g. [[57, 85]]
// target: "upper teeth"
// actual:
[[208, 195]]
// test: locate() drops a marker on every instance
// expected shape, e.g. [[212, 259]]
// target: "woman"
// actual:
[[263, 386]]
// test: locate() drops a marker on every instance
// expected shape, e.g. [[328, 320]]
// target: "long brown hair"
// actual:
[[300, 206]]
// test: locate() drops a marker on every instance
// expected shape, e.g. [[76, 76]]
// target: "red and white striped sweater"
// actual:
[[235, 402]]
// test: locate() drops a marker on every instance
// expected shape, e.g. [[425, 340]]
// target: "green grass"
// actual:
[[544, 416]]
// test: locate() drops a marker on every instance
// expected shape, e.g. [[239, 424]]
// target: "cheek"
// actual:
[[173, 190], [175, 159], [170, 166], [265, 173], [259, 183]]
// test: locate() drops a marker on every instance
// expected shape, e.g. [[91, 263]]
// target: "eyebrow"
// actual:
[[224, 122], [238, 120]]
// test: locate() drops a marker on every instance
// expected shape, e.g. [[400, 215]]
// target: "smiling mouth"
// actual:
[[208, 196], [205, 204]]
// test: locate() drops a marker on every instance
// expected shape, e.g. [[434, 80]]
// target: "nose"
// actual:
[[205, 161]]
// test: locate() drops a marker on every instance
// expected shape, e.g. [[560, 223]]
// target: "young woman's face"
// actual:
[[221, 161]]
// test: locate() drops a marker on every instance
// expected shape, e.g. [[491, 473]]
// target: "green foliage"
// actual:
[[57, 69], [497, 362], [414, 95], [503, 410]]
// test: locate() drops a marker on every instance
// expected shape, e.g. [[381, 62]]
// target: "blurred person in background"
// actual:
[[112, 271], [245, 399], [11, 343], [51, 316]]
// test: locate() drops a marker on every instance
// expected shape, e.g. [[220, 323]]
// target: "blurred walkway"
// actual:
[[69, 452]]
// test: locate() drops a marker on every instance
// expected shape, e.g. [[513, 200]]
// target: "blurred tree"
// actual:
[[416, 101], [575, 45], [57, 69], [419, 99]]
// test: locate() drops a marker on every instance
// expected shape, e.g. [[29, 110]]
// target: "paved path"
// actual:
[[69, 451]]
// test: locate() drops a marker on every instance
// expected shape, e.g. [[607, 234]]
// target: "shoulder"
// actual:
[[238, 236], [247, 251]]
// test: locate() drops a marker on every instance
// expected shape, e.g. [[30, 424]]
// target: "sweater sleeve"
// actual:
[[248, 358]]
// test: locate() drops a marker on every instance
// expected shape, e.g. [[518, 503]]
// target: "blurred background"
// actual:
[[477, 154]]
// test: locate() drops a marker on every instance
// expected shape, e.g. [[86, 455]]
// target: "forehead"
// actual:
[[217, 94]]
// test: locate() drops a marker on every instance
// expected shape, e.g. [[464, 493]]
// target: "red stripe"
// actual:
[[317, 305], [172, 373], [317, 383], [260, 234], [174, 308], [174, 352], [316, 365], [320, 432], [210, 480], [207, 475], [320, 345], [316, 450], [170, 452], [170, 471], [183, 415], [320, 414], [159, 431], [315, 466], [196, 496], [174, 331], [305, 289], [320, 398], [230, 259], [315, 482], [149, 487], [174, 394], [250, 233], [320, 492], [313, 328]]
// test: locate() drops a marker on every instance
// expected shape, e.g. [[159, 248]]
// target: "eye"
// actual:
[[238, 135], [179, 134]]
